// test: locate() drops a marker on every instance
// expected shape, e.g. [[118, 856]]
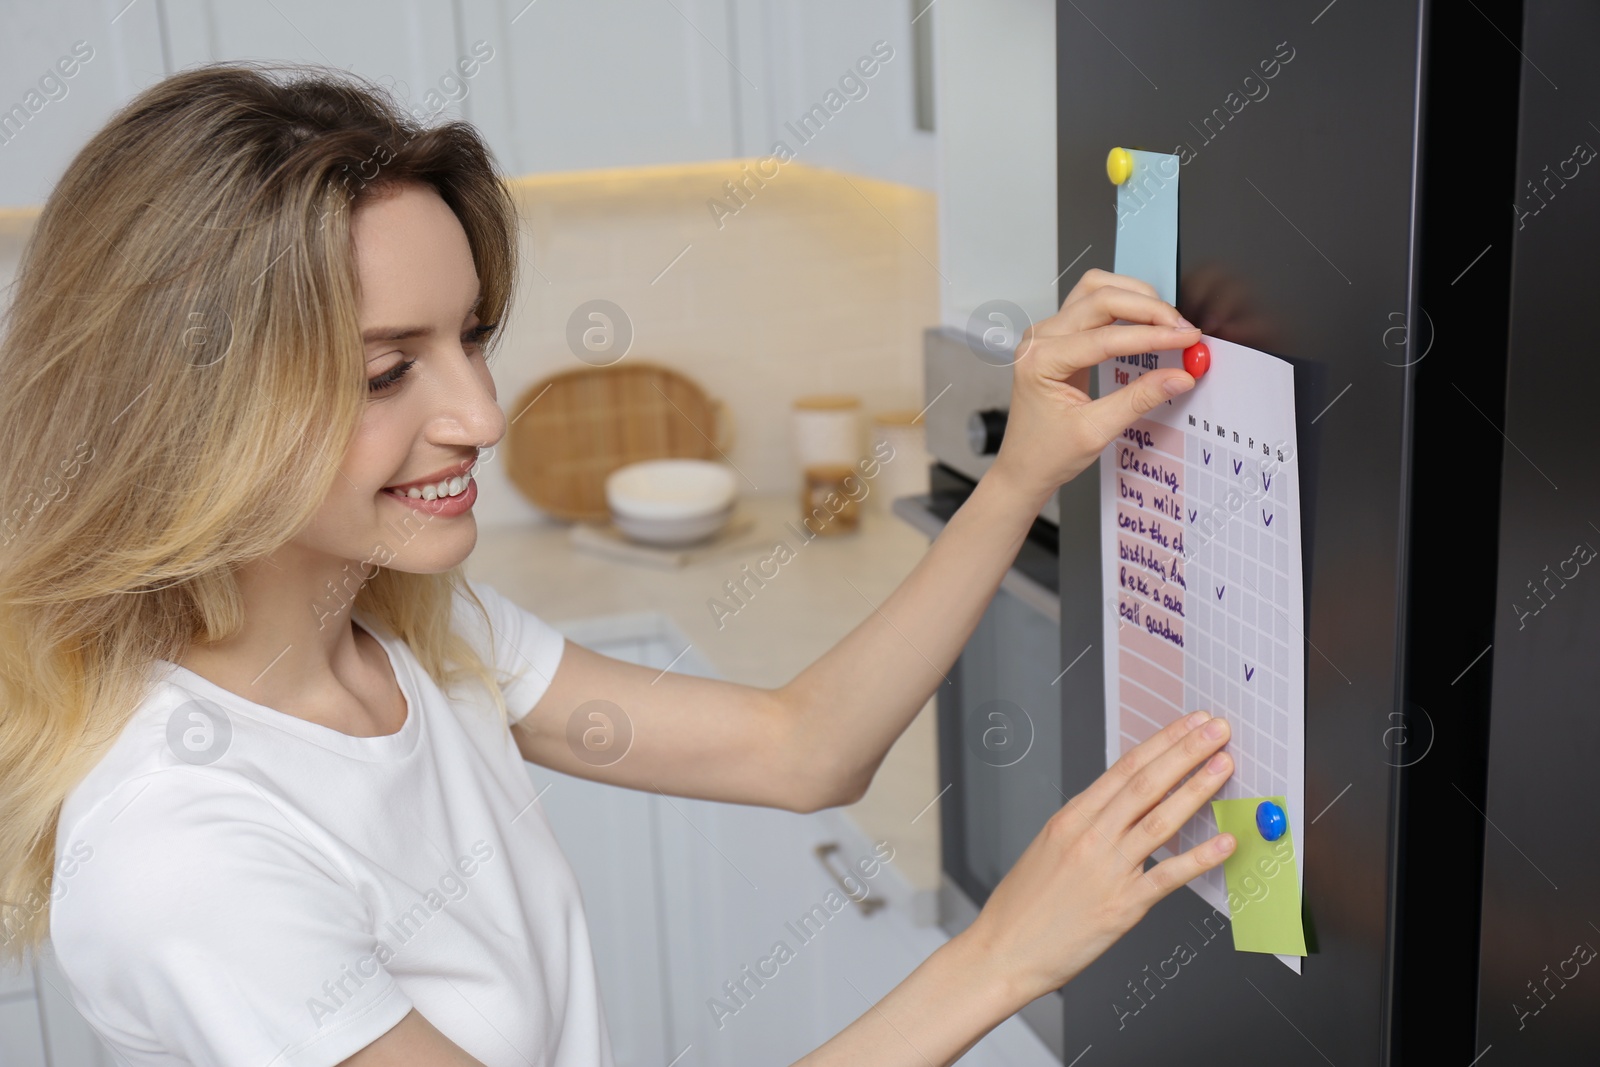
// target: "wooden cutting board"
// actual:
[[572, 429]]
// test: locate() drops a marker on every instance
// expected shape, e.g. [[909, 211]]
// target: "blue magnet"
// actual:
[[1271, 820]]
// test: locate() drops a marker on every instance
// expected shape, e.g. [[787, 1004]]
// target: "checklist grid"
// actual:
[[1203, 572]]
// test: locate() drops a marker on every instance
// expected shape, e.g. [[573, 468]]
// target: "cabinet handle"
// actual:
[[869, 903]]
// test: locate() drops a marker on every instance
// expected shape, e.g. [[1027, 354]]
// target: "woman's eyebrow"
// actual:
[[392, 333], [406, 333]]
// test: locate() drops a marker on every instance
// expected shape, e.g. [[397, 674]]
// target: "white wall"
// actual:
[[996, 105]]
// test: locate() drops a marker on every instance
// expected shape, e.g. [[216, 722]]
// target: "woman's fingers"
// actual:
[[1105, 306], [1095, 278], [1151, 783], [1169, 874], [1163, 820], [1094, 799], [1103, 789], [1116, 411], [1060, 359]]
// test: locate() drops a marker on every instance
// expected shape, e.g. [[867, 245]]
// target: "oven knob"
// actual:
[[984, 430]]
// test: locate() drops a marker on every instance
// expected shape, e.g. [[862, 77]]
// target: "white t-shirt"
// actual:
[[252, 888]]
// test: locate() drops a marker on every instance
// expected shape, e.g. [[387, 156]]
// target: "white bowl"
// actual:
[[672, 532], [671, 501]]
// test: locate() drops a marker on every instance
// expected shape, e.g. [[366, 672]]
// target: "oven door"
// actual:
[[999, 728]]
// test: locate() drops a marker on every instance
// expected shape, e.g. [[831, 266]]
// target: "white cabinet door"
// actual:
[[68, 1038], [606, 834], [611, 838], [407, 46], [763, 969], [39, 1027], [750, 922], [810, 93], [554, 85], [21, 1041], [585, 84], [67, 68]]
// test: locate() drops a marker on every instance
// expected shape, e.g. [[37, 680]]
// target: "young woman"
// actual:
[[261, 743]]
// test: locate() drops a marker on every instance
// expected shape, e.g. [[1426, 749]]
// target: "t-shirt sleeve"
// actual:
[[201, 923], [524, 648]]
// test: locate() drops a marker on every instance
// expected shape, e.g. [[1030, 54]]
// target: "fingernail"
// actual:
[[1215, 729], [1217, 764], [1174, 386], [1183, 324], [1225, 844], [1197, 718]]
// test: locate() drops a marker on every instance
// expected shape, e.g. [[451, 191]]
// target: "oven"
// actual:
[[999, 719]]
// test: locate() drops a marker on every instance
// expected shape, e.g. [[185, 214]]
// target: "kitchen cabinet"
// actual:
[[407, 46], [68, 1038], [614, 83], [799, 58], [609, 836], [688, 901], [606, 83], [21, 1041], [554, 85], [68, 68], [39, 1027]]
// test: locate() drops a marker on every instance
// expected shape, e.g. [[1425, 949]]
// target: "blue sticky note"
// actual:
[[1147, 223]]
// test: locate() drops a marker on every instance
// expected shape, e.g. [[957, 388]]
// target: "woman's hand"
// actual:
[[1081, 883], [1054, 430]]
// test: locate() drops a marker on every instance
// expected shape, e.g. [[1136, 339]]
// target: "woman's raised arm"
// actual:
[[817, 741]]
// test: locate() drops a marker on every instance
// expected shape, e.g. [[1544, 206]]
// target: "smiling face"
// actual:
[[431, 401]]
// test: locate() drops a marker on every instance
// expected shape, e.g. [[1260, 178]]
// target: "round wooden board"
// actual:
[[574, 428]]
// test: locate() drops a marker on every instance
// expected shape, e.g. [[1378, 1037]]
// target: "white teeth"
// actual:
[[447, 488]]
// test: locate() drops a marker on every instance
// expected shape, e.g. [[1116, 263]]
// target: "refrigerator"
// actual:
[[1538, 982], [1364, 193]]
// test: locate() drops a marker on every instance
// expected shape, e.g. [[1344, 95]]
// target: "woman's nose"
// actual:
[[469, 409]]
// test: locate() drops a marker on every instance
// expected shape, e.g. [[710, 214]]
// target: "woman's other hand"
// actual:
[[1081, 883]]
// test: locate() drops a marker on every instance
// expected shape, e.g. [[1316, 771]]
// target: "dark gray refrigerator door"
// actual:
[[1540, 977], [1297, 234]]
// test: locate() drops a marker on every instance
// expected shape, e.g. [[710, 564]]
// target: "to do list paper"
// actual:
[[1201, 564]]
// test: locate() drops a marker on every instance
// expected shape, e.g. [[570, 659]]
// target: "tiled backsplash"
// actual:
[[819, 282]]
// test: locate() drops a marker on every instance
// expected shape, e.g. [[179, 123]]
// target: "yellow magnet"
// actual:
[[1119, 166]]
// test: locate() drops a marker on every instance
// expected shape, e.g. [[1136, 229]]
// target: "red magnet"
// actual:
[[1197, 359]]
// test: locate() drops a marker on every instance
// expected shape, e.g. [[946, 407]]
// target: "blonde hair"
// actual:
[[182, 371]]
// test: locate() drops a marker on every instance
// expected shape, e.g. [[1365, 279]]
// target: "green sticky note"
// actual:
[[1263, 881]]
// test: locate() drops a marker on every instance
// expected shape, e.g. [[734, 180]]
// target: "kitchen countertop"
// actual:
[[783, 627]]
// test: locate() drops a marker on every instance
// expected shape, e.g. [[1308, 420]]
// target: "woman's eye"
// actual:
[[390, 376], [473, 339]]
